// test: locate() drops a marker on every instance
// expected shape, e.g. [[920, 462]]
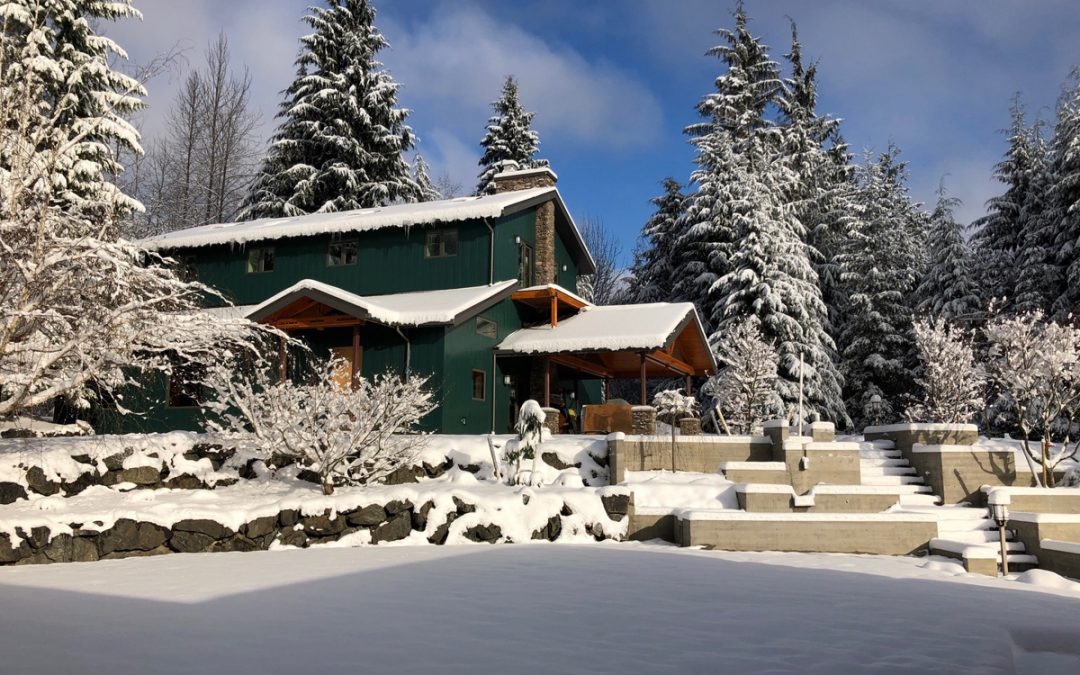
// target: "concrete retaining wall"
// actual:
[[1032, 528], [1063, 562], [699, 453], [1039, 500]]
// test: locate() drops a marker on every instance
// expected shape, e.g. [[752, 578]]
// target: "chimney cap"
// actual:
[[517, 172]]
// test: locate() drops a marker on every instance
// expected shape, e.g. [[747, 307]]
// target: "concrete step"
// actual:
[[983, 537], [892, 480], [880, 454], [884, 461], [888, 471]]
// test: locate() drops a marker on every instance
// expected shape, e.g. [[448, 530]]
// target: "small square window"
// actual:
[[342, 253], [487, 328], [260, 259], [479, 385], [441, 244]]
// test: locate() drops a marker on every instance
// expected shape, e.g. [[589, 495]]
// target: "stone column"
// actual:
[[690, 426], [551, 420], [644, 420]]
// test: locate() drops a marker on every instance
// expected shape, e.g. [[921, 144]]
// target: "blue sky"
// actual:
[[614, 82]]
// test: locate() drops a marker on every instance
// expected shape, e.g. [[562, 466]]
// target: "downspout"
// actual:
[[494, 385], [408, 352], [491, 255]]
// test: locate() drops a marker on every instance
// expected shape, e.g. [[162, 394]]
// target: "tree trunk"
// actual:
[[327, 487]]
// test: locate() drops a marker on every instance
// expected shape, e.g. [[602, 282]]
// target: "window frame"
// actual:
[[262, 257], [441, 234], [355, 243], [483, 383], [522, 247], [486, 321]]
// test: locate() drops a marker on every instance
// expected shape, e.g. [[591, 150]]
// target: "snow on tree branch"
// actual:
[[744, 391], [951, 380]]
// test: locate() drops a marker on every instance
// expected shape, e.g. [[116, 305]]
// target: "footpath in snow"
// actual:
[[602, 608]]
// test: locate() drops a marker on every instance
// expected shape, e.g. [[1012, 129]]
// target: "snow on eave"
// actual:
[[359, 220], [560, 289], [607, 328], [445, 306]]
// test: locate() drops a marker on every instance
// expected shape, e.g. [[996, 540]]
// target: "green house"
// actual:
[[469, 292]]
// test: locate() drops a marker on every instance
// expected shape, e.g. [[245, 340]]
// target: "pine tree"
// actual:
[[341, 139], [1065, 196], [999, 234], [653, 271], [1041, 278], [54, 42], [508, 137], [881, 265], [947, 289], [421, 175]]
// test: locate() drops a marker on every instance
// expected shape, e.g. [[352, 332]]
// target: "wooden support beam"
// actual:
[[554, 311], [283, 359], [332, 321], [671, 363], [689, 385], [644, 378], [354, 369], [547, 382], [578, 363]]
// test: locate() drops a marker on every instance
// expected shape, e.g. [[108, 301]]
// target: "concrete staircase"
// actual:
[[970, 535], [882, 464]]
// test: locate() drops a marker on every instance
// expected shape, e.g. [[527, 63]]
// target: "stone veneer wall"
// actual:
[[703, 453]]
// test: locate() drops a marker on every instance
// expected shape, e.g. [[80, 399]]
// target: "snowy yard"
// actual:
[[531, 608]]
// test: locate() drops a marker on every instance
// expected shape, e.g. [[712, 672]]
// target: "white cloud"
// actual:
[[455, 63]]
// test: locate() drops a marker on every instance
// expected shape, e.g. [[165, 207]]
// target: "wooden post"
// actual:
[[689, 385], [554, 310], [547, 382], [644, 391], [607, 389], [283, 360], [354, 370]]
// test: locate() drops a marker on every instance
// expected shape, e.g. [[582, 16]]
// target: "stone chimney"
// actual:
[[512, 177]]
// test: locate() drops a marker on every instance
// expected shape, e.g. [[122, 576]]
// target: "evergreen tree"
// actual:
[[1064, 199], [881, 264], [998, 239], [426, 190], [508, 137], [54, 42], [1041, 278], [947, 290], [653, 274], [341, 139]]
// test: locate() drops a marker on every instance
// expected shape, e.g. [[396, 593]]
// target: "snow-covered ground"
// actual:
[[601, 608]]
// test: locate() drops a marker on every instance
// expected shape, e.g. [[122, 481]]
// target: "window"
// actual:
[[185, 386], [441, 244], [342, 253], [525, 264], [479, 385], [487, 328], [260, 259]]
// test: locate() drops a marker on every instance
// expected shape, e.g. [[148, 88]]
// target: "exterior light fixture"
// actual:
[[517, 239], [464, 421], [564, 268], [998, 502], [507, 381]]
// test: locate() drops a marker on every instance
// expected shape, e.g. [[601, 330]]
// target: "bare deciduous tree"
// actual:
[[603, 287]]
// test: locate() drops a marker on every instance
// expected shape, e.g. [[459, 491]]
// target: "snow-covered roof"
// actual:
[[398, 309], [559, 289], [606, 328], [360, 220]]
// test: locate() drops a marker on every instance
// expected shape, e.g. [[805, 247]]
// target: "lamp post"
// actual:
[[999, 501]]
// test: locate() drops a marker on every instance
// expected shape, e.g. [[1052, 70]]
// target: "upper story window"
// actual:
[[441, 244], [260, 259], [525, 264], [479, 385], [487, 328], [342, 253]]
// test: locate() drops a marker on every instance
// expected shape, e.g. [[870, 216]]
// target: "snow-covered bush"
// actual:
[[530, 428], [82, 311], [1071, 479], [671, 406], [951, 380], [1036, 365], [744, 391], [346, 435]]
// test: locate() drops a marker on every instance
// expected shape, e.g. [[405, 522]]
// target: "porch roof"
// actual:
[[669, 335], [439, 307]]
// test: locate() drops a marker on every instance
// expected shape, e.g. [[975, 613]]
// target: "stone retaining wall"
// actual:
[[382, 522], [703, 453]]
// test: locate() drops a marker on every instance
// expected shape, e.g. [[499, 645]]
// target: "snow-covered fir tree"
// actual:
[[1041, 279], [998, 237], [54, 43], [508, 136], [653, 271], [421, 175], [1064, 198], [744, 389], [881, 265], [732, 117], [947, 289], [341, 139]]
